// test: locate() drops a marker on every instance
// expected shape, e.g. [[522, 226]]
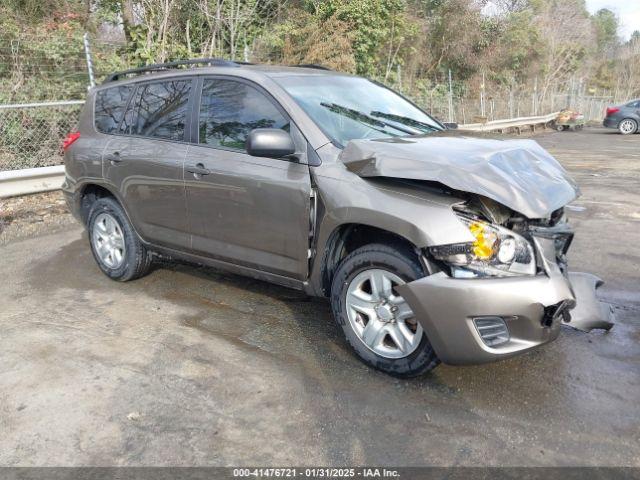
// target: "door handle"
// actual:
[[198, 170], [114, 158]]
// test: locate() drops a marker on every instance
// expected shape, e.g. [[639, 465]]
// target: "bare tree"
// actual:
[[128, 19], [230, 20], [212, 11], [629, 69], [567, 32], [510, 6]]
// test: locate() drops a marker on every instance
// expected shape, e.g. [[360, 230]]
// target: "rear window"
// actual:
[[109, 107], [158, 110]]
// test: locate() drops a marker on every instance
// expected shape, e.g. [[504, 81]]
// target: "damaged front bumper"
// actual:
[[478, 320], [451, 310]]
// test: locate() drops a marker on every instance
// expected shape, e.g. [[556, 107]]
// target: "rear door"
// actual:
[[145, 162], [246, 210]]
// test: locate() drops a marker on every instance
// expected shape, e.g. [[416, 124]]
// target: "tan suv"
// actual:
[[432, 245]]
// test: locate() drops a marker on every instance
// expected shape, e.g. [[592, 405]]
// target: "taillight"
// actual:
[[612, 110], [69, 139]]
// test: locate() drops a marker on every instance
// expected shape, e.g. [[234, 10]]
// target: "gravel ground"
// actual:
[[32, 215]]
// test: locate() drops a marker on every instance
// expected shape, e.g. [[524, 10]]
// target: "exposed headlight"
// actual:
[[496, 251]]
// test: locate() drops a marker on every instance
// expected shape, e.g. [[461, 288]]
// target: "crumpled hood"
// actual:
[[517, 173]]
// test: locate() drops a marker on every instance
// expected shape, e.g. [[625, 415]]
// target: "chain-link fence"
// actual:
[[51, 66], [31, 134], [36, 71]]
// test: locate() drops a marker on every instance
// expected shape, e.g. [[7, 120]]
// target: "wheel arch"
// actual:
[[91, 191], [347, 237]]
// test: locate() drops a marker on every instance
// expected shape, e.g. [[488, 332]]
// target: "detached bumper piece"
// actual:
[[589, 312]]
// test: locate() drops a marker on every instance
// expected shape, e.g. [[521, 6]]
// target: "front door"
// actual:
[[146, 162], [250, 211]]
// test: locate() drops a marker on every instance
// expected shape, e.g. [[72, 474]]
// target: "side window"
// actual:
[[109, 107], [229, 110], [158, 110]]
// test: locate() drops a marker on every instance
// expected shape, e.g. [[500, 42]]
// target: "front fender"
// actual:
[[422, 217]]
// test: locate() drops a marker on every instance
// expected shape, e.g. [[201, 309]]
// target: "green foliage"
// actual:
[[606, 25], [45, 63], [373, 23], [520, 46], [35, 11]]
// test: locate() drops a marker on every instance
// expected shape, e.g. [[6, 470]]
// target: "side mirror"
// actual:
[[270, 143], [450, 125]]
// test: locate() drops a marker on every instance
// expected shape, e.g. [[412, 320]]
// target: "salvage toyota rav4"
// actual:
[[432, 245]]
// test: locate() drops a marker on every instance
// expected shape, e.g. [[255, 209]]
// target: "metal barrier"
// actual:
[[30, 180], [509, 123]]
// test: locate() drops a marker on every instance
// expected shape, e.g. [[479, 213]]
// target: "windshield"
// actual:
[[349, 108]]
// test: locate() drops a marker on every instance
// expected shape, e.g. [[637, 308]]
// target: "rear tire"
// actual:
[[628, 126], [389, 340], [115, 245]]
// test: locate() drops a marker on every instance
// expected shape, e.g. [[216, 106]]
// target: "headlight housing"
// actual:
[[496, 251]]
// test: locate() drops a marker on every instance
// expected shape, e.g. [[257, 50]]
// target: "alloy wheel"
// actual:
[[108, 240], [381, 318], [628, 127]]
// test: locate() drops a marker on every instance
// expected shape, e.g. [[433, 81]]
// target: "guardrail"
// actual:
[[509, 123], [31, 180]]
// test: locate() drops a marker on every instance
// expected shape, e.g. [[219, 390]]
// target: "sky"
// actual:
[[628, 12]]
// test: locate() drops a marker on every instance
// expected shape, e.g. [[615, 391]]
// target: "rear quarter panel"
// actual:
[[83, 159]]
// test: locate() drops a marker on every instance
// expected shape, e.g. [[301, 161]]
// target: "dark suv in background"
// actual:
[[431, 245], [625, 118]]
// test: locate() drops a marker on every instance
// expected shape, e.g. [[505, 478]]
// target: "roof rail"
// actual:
[[157, 67], [312, 65]]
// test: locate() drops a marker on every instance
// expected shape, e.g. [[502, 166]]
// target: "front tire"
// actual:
[[376, 321], [628, 126], [115, 246]]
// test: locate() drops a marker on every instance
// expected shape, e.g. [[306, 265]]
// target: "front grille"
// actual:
[[492, 330]]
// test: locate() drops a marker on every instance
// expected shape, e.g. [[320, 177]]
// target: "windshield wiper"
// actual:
[[410, 122], [364, 118]]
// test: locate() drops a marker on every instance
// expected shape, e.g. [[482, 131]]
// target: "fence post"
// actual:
[[450, 98], [87, 54], [511, 101], [534, 99], [482, 109]]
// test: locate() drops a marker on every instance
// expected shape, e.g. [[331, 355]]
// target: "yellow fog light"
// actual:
[[483, 247]]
